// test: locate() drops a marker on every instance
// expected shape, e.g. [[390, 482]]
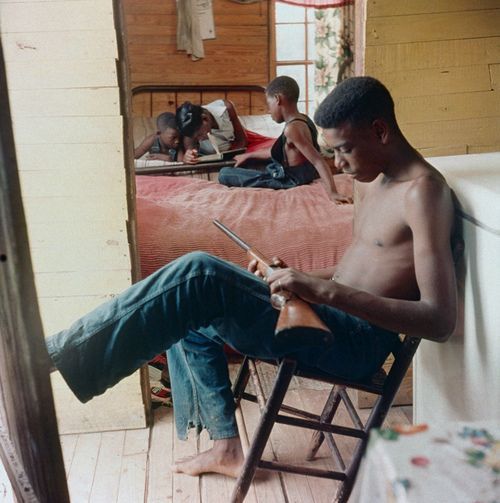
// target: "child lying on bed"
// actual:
[[294, 159], [219, 119], [165, 144]]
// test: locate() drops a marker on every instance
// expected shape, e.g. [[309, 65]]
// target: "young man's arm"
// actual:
[[240, 138], [300, 136], [429, 214], [144, 146], [326, 273]]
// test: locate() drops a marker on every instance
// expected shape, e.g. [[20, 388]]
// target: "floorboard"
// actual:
[[160, 477], [134, 465], [108, 468]]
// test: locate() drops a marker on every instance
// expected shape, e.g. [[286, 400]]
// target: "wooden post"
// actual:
[[29, 444]]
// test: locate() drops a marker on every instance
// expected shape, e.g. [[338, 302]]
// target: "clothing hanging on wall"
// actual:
[[188, 29]]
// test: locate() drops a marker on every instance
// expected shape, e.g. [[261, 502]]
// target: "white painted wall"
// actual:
[[460, 379], [61, 69]]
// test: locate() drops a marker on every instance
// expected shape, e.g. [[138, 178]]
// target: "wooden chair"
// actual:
[[381, 384]]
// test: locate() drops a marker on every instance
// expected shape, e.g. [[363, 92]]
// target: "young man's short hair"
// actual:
[[356, 100], [165, 121], [285, 86]]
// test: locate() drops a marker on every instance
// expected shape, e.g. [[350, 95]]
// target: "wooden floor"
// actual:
[[134, 466]]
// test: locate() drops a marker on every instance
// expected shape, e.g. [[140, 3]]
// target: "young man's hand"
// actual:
[[276, 262], [306, 286]]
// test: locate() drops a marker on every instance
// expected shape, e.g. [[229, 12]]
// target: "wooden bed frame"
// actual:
[[151, 100]]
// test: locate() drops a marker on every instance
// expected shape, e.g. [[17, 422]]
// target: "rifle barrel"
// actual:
[[232, 235]]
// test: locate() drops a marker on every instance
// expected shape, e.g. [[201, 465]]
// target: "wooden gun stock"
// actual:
[[297, 320]]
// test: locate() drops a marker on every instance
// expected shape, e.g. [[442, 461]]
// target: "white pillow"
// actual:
[[262, 124]]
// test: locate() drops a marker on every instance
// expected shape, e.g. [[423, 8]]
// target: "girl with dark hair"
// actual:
[[218, 118]]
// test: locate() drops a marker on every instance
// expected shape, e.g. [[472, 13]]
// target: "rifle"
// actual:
[[297, 320]]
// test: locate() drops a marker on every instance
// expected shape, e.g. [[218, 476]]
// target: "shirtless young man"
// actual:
[[294, 158], [397, 276]]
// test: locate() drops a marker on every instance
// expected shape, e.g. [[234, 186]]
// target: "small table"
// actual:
[[455, 463]]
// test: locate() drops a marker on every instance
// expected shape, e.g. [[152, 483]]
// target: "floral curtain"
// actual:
[[334, 48]]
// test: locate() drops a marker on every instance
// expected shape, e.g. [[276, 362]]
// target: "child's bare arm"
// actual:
[[261, 154], [299, 135], [190, 150], [160, 157], [144, 146]]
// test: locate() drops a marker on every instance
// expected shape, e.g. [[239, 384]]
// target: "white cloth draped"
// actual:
[[188, 29]]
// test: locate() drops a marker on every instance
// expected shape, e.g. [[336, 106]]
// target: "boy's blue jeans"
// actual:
[[275, 176], [192, 307]]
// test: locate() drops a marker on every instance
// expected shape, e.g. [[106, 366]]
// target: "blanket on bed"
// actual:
[[300, 225]]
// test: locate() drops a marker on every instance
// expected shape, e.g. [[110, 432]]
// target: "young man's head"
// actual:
[[281, 92], [357, 101], [167, 130], [193, 121], [358, 122]]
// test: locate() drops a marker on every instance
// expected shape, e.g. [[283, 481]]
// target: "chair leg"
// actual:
[[375, 420], [273, 404], [329, 411], [241, 380]]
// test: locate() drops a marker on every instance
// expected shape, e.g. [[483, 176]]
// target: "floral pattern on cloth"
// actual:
[[334, 54], [456, 463], [334, 49]]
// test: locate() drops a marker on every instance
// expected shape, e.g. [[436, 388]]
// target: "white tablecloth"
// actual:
[[456, 463]]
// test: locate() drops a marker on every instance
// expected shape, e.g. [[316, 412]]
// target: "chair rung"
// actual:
[[302, 470], [286, 408], [298, 412], [315, 425], [249, 397], [334, 449]]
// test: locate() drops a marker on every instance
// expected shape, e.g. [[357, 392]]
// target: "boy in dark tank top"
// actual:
[[295, 157]]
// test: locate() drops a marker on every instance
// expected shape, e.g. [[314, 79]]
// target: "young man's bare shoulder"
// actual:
[[430, 189]]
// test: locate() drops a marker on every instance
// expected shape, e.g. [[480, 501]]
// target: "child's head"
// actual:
[[167, 130], [193, 121], [282, 91]]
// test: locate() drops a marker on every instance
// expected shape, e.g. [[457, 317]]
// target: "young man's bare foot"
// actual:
[[225, 457]]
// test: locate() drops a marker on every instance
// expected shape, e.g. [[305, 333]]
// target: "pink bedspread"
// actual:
[[300, 225]]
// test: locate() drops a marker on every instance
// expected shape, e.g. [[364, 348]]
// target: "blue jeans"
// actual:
[[192, 307], [275, 176]]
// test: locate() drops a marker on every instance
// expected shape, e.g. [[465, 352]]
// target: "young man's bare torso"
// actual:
[[401, 243], [381, 258]]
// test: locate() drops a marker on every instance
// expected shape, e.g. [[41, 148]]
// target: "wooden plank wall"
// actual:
[[61, 69], [441, 61], [151, 103], [238, 55]]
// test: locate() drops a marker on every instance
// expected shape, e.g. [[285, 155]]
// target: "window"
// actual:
[[294, 32]]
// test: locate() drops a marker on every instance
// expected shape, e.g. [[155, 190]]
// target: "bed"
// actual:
[[174, 213]]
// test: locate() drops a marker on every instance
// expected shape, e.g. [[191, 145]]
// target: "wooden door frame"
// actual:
[[29, 441], [123, 74]]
